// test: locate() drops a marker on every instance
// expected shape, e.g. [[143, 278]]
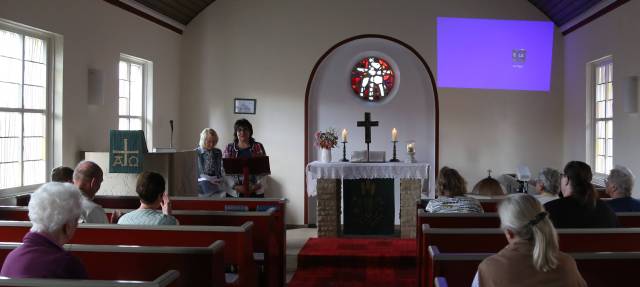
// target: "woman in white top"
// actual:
[[450, 189]]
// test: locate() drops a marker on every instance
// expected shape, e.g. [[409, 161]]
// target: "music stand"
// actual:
[[246, 167]]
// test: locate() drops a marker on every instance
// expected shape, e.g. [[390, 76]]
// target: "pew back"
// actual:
[[597, 268], [163, 280], [108, 262], [238, 249], [264, 239]]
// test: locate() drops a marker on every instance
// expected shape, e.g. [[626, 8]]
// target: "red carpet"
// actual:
[[356, 262]]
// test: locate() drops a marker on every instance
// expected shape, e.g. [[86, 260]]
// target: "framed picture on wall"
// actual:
[[244, 106]]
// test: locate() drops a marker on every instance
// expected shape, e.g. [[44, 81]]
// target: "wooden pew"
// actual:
[[491, 220], [238, 241], [265, 241], [449, 220], [269, 247], [196, 203], [108, 262], [597, 268], [164, 280], [493, 239]]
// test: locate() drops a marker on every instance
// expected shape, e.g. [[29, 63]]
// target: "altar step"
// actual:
[[356, 262]]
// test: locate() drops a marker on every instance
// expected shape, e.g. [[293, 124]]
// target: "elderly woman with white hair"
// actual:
[[54, 210], [532, 257], [547, 185], [619, 185]]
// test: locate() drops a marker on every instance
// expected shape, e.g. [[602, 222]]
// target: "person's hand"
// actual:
[[116, 216], [240, 189], [255, 188], [166, 203]]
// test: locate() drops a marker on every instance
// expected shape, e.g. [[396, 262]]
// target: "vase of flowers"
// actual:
[[326, 140]]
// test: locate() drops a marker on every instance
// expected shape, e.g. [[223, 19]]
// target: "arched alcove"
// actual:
[[412, 107]]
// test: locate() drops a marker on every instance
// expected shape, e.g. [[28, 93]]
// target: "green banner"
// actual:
[[126, 151]]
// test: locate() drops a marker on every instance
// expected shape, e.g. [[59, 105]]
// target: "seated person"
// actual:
[[580, 206], [450, 189], [547, 185], [245, 146], [87, 177], [619, 185], [487, 187], [532, 250], [210, 181], [54, 210], [150, 189], [62, 174]]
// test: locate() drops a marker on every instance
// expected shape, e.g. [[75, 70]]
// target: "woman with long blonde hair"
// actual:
[[532, 257]]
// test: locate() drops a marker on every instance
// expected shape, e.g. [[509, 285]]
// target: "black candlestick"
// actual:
[[394, 159], [344, 151]]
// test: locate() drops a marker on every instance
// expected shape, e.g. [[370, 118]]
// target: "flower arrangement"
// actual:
[[327, 139]]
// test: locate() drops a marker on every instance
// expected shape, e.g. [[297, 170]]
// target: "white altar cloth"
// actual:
[[348, 170]]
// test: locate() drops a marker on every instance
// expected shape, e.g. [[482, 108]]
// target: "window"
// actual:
[[25, 94], [602, 115], [372, 79], [133, 93]]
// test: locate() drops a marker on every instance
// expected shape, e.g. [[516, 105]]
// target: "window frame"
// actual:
[[147, 95], [53, 53], [592, 120]]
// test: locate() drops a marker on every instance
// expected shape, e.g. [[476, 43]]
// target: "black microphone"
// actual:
[[171, 142]]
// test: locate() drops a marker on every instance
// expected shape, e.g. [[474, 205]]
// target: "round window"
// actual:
[[372, 79]]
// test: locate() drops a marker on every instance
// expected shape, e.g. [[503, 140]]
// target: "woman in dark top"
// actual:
[[245, 146], [580, 206]]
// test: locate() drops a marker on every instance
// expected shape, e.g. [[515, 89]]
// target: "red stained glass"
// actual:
[[372, 79]]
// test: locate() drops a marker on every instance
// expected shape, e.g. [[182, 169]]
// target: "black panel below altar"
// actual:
[[368, 206]]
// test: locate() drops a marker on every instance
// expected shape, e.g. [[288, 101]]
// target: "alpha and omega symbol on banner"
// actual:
[[125, 157]]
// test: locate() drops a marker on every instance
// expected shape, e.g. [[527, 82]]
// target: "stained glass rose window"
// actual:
[[372, 79]]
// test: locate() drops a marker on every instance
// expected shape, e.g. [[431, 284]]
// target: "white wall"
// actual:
[[266, 50], [409, 107], [95, 33], [615, 34]]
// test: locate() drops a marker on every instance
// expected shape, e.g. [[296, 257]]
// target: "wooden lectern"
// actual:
[[247, 167]]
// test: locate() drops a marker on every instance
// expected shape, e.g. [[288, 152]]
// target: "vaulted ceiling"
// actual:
[[560, 12], [182, 11], [563, 11]]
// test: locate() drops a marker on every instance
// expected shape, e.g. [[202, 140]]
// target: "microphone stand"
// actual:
[[171, 139]]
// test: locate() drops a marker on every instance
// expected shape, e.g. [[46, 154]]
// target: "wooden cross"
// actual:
[[367, 124]]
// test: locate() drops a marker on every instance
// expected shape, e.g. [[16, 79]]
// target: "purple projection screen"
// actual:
[[494, 54]]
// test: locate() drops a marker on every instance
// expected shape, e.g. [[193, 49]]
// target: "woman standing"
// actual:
[[245, 146], [532, 257], [210, 181]]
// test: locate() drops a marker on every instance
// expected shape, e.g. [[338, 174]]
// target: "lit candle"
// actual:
[[394, 135], [411, 147], [344, 135]]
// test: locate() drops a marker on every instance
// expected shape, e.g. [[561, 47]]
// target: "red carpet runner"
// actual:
[[356, 262]]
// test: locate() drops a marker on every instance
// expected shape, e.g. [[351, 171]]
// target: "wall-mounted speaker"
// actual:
[[94, 91]]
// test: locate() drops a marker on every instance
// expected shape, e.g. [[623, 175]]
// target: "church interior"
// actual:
[[348, 118]]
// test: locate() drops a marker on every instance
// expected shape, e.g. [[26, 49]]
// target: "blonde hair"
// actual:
[[525, 217], [203, 135]]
